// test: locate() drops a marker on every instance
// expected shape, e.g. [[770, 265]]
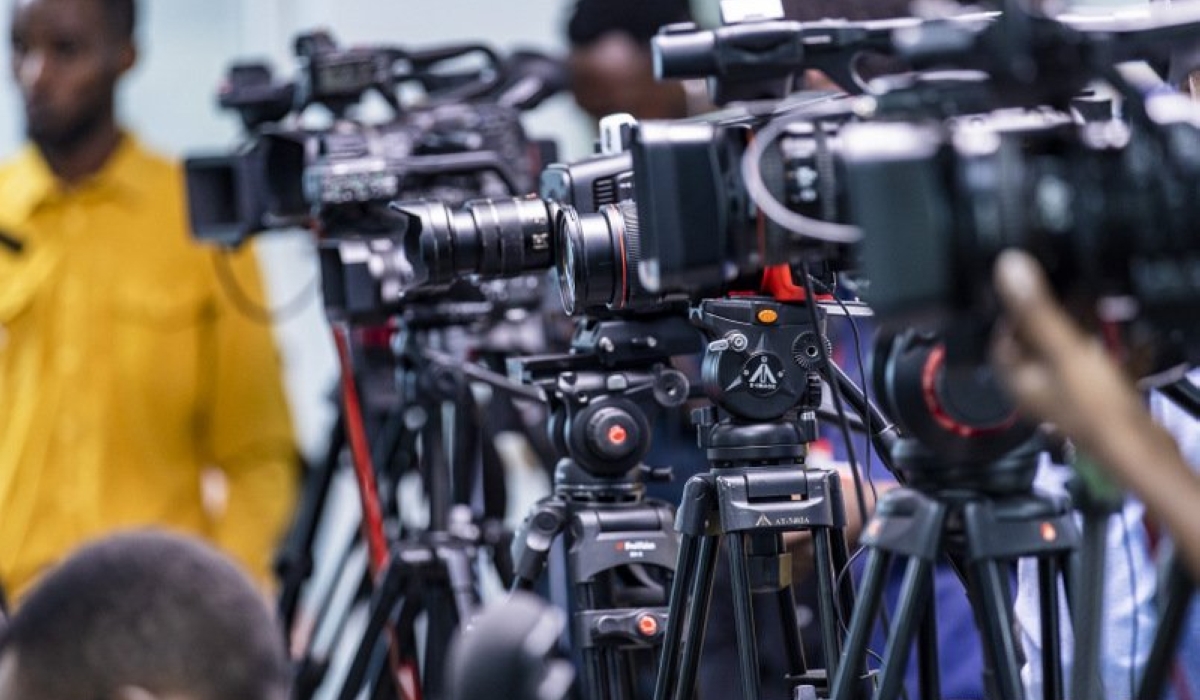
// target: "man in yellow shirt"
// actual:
[[127, 373]]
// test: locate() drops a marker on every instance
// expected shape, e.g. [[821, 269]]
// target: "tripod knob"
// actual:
[[613, 433]]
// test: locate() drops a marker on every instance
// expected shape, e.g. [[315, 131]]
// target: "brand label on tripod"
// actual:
[[787, 521], [637, 549], [763, 374]]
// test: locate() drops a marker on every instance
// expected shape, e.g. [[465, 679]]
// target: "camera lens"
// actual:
[[490, 238], [598, 256]]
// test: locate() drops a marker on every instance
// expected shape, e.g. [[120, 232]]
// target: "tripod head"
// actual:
[[961, 430], [604, 396], [760, 370]]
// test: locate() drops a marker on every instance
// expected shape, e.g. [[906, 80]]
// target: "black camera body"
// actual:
[[1108, 208], [342, 177], [667, 219], [584, 225], [464, 142], [703, 234]]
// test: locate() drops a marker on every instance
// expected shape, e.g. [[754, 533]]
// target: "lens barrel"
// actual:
[[598, 256], [492, 238]]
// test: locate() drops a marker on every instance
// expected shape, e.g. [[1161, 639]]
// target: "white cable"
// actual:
[[772, 208]]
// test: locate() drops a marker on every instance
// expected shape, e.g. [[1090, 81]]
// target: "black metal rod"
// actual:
[[792, 641], [826, 599], [996, 626], [929, 673], [1089, 607], [1052, 673], [697, 616], [869, 602], [915, 592], [743, 615], [294, 564]]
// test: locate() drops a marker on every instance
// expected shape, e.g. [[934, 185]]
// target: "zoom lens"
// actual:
[[598, 255], [491, 238]]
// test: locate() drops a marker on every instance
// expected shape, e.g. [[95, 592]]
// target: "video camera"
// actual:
[[578, 226], [938, 171], [462, 139], [660, 215], [465, 140]]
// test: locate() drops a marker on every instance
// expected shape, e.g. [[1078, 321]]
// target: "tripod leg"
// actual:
[[619, 678], [743, 616], [797, 666], [441, 621], [914, 597], [594, 670], [996, 627], [1052, 674], [870, 598], [383, 602], [697, 554], [1089, 607], [830, 634], [700, 598], [668, 664], [1178, 593], [840, 555], [460, 575], [294, 564], [929, 674]]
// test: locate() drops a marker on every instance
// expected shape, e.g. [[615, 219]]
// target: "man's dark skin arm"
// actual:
[[1059, 374]]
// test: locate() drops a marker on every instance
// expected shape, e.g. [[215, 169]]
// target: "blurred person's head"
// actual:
[[67, 58], [143, 616], [610, 63]]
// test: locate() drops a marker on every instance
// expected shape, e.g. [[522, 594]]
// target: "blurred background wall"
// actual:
[[186, 46]]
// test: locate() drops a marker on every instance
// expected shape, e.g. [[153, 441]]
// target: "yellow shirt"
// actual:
[[127, 372]]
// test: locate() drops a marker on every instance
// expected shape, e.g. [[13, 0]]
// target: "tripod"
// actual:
[[431, 570], [969, 468], [982, 530], [620, 549], [759, 368], [434, 426]]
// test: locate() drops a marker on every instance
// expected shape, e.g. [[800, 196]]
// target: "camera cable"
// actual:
[[856, 475], [251, 309], [775, 210]]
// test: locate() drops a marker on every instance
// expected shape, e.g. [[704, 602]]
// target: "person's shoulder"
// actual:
[[9, 164], [18, 164], [148, 159]]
